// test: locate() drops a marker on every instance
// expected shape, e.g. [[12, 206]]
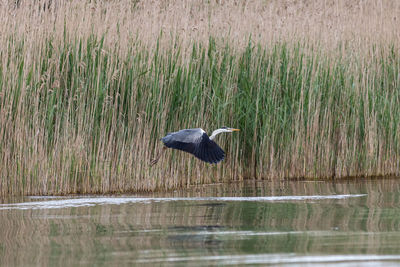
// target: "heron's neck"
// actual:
[[214, 134]]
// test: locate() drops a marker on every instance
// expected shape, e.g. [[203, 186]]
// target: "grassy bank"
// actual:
[[82, 111]]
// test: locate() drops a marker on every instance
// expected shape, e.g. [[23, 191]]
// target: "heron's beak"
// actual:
[[235, 130]]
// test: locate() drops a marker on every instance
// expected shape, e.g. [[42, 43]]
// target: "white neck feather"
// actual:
[[218, 131]]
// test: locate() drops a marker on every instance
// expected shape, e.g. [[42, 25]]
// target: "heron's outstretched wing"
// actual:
[[196, 142], [208, 151]]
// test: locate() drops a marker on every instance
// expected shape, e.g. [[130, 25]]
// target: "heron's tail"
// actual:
[[155, 160]]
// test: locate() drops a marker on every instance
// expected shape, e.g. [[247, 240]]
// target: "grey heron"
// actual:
[[197, 142]]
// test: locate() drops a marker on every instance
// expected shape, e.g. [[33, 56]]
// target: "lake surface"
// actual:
[[348, 223]]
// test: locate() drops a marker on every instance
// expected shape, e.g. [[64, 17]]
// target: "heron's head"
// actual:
[[223, 129], [228, 129]]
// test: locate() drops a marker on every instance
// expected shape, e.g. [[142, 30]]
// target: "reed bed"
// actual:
[[87, 89]]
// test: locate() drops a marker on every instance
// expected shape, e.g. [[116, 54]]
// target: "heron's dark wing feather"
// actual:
[[208, 151], [185, 140], [196, 142], [187, 147]]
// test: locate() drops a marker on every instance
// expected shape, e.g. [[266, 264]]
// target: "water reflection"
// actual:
[[256, 222]]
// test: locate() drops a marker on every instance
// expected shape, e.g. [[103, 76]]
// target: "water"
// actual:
[[350, 223]]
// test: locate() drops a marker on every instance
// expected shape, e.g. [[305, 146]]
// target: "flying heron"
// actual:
[[197, 142]]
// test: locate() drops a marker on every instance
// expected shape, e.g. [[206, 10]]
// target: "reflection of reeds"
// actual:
[[86, 90]]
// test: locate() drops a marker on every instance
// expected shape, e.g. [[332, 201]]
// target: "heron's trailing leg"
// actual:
[[155, 160]]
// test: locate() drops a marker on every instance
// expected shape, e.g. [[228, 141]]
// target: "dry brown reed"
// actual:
[[361, 23]]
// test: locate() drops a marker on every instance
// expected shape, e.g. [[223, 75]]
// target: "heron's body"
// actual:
[[197, 142]]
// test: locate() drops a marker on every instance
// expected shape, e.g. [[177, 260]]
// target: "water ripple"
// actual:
[[92, 201], [292, 258]]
